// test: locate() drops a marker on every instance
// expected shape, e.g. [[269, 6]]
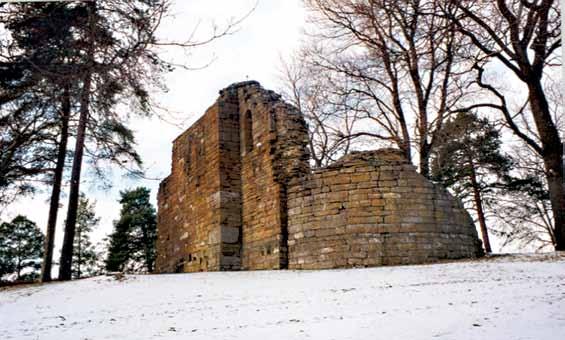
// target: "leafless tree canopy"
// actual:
[[332, 121], [400, 58], [402, 68], [525, 37], [524, 218]]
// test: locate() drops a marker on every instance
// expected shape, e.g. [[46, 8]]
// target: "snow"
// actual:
[[516, 297]]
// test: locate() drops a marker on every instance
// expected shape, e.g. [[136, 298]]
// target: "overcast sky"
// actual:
[[273, 30], [253, 52]]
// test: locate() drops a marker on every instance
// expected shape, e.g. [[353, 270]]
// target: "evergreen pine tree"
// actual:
[[36, 85], [96, 57], [103, 50], [46, 64], [21, 248], [132, 244], [84, 254], [468, 159]]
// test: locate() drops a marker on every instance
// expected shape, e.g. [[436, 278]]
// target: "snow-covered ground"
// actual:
[[503, 298]]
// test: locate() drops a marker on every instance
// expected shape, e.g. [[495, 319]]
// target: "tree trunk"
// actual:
[[56, 191], [480, 210], [425, 167], [148, 259], [425, 160], [19, 264], [65, 267], [552, 154], [557, 199], [79, 252]]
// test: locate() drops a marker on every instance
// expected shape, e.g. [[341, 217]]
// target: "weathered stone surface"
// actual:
[[228, 184], [241, 196], [375, 222]]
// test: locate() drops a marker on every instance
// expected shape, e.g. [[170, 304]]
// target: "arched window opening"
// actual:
[[248, 132], [188, 157]]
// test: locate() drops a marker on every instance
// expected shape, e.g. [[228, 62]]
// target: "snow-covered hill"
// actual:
[[505, 298]]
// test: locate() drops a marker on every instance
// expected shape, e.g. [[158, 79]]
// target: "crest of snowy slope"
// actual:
[[505, 298]]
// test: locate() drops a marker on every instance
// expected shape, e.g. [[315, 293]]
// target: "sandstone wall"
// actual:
[[241, 196], [189, 201], [224, 205], [230, 183], [373, 208], [273, 150]]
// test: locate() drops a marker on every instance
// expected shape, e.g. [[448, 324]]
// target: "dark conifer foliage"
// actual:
[[117, 65], [105, 55], [524, 37], [83, 63], [85, 254], [21, 249], [47, 60], [132, 244], [35, 86], [469, 160]]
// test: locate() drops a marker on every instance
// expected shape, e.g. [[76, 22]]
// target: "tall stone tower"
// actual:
[[224, 205]]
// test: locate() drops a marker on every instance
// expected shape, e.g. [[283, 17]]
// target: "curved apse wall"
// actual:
[[373, 208]]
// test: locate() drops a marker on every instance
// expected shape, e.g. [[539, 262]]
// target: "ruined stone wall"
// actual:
[[224, 205], [241, 196], [373, 208], [189, 201], [230, 182], [273, 150]]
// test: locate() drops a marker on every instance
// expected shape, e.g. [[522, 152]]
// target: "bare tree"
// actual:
[[401, 58], [522, 214], [331, 121], [524, 37]]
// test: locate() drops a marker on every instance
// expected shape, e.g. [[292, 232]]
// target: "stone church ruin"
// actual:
[[242, 196]]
